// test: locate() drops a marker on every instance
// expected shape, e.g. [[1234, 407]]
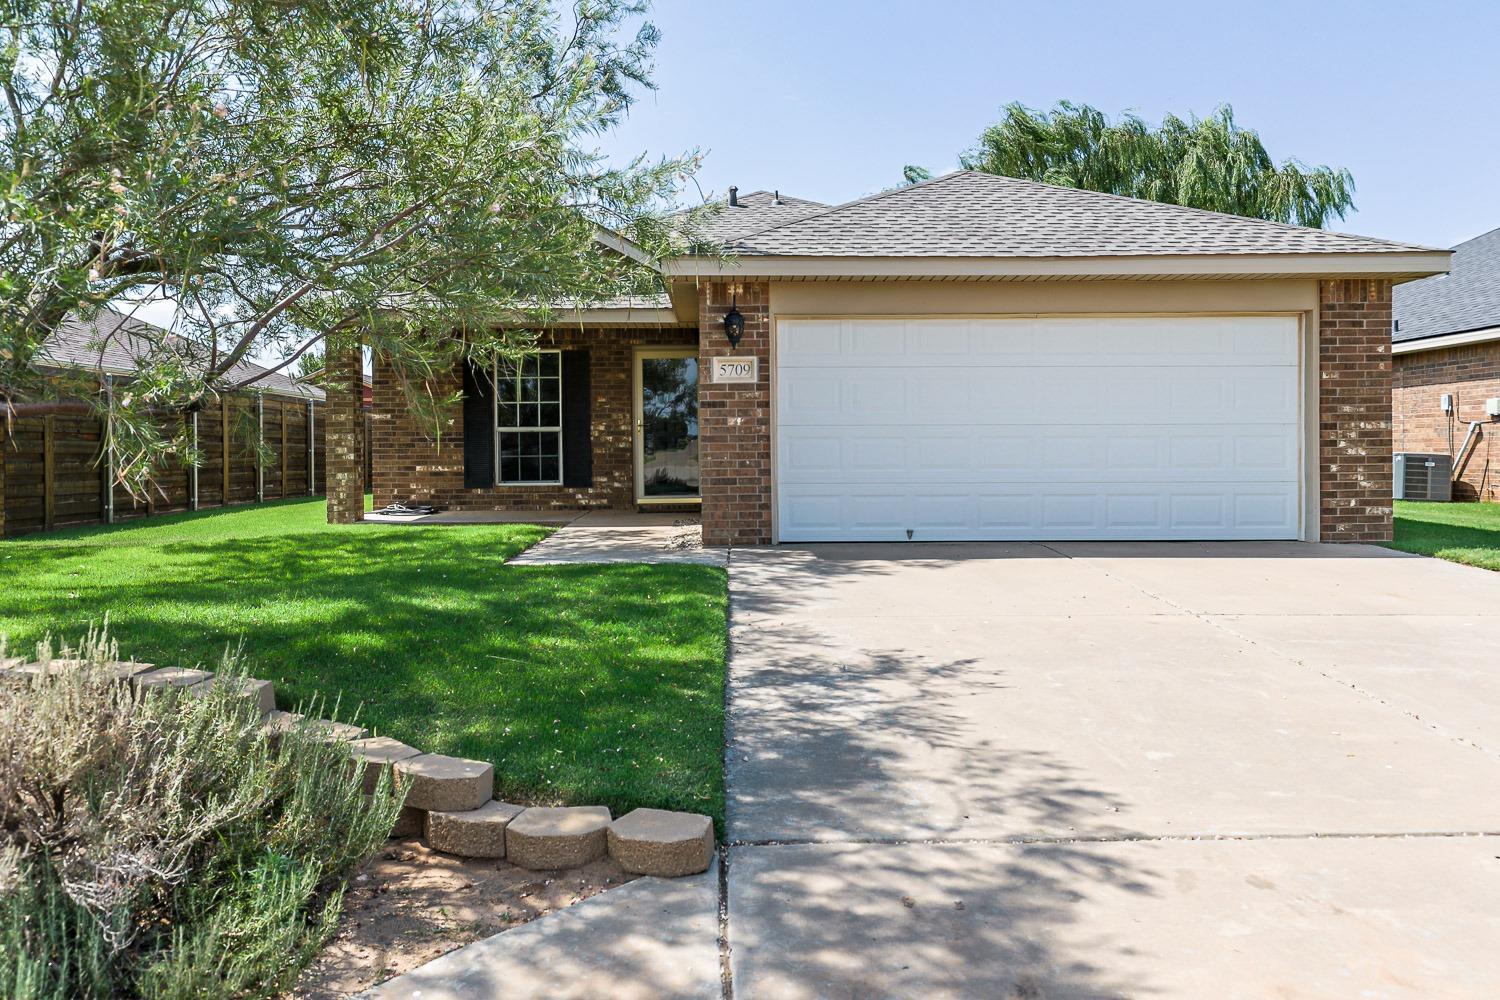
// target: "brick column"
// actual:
[[734, 420], [343, 430], [1354, 410]]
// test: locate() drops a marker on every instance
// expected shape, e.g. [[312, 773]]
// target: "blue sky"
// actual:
[[828, 100]]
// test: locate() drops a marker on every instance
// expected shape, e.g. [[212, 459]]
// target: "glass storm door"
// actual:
[[666, 423]]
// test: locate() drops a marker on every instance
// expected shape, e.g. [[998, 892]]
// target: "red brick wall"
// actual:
[[1471, 374], [344, 432], [410, 464], [735, 419], [1354, 410]]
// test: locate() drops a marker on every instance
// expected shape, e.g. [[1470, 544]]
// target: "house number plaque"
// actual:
[[736, 369]]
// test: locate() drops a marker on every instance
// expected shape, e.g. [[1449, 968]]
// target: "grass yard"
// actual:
[[581, 684], [1459, 532]]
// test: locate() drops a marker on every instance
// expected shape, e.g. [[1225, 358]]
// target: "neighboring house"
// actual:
[[54, 471], [973, 357], [1447, 343]]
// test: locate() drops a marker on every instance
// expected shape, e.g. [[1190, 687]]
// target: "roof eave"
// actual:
[[1441, 340], [1396, 265]]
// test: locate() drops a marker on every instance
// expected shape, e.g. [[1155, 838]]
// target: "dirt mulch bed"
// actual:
[[410, 904]]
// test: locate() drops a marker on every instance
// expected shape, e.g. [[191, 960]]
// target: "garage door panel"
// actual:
[[1046, 427], [1146, 455]]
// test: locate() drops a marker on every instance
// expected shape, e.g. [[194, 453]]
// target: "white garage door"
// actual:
[[1060, 428]]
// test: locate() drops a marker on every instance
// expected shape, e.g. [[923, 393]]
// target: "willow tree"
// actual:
[[301, 176], [1210, 163]]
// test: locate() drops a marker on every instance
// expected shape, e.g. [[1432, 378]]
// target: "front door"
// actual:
[[666, 426]]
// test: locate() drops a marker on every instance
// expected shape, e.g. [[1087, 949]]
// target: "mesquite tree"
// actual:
[[305, 175], [1210, 163]]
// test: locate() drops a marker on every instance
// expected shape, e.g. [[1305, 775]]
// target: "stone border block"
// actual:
[[548, 837], [378, 753], [448, 784], [662, 843], [478, 833]]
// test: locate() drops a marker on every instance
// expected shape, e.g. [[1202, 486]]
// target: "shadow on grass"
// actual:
[[580, 683]]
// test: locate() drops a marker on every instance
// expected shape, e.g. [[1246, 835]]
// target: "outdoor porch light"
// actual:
[[734, 324]]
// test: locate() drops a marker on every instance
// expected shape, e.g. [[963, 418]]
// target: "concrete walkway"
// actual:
[[1113, 770], [624, 537]]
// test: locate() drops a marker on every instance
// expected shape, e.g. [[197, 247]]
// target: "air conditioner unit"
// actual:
[[1423, 476]]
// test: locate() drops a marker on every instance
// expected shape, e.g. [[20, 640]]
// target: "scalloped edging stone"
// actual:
[[257, 693], [662, 843], [550, 837], [474, 833], [448, 784], [168, 678], [377, 754]]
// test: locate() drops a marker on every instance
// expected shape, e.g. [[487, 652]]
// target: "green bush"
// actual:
[[162, 845]]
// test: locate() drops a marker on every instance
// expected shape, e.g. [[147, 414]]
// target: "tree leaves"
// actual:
[[1209, 163], [385, 171]]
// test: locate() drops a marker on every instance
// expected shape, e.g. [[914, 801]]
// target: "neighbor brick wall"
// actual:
[[344, 413], [1354, 410], [1470, 373], [735, 420], [410, 463]]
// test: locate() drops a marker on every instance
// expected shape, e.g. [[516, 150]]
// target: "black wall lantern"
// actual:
[[734, 325]]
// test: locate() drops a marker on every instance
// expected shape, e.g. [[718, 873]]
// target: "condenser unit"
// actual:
[[1423, 476]]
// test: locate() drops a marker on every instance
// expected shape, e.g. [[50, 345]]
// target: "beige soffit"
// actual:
[[1399, 266], [1446, 340]]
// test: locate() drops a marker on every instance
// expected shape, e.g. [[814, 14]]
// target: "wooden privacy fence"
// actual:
[[52, 474]]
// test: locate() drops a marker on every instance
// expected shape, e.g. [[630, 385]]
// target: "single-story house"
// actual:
[[972, 357], [1446, 355]]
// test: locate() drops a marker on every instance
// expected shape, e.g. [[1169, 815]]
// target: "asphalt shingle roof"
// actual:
[[1467, 298], [755, 211], [111, 342], [972, 214]]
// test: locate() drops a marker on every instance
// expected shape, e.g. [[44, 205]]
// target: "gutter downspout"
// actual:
[[1461, 456]]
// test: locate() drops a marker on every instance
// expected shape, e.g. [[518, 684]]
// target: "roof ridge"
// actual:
[[1476, 239], [850, 204], [1082, 193], [1204, 211]]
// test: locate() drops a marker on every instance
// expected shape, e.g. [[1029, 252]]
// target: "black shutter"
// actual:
[[479, 427], [577, 446]]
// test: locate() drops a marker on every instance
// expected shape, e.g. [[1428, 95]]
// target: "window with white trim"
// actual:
[[528, 420]]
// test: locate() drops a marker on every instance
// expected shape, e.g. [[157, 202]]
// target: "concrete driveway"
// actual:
[[1083, 770]]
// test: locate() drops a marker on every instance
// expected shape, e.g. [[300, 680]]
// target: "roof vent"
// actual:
[[734, 196], [776, 198]]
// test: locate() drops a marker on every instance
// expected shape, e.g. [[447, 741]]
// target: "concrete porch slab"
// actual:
[[1389, 918], [479, 517]]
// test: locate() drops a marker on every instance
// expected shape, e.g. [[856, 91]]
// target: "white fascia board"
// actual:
[[1406, 265], [627, 248], [1446, 340], [614, 317]]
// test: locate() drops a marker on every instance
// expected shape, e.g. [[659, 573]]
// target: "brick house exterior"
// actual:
[[1447, 343], [800, 270]]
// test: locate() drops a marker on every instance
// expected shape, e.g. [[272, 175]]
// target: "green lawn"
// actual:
[[1460, 532], [581, 684]]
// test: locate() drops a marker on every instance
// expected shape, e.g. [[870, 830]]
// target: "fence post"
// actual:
[[312, 451], [285, 409], [260, 447], [49, 474], [193, 469], [224, 428], [106, 428], [4, 447]]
